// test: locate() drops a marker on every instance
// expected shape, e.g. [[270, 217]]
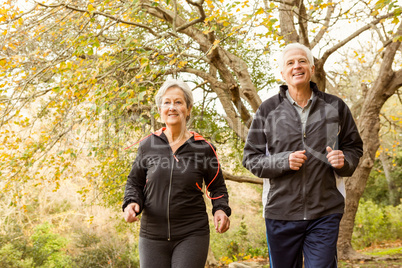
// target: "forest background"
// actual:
[[77, 87]]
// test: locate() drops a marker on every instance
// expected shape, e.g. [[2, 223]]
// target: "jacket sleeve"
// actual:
[[255, 156], [349, 142], [134, 191], [216, 185]]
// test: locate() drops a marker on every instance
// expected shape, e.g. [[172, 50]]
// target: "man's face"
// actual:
[[297, 70]]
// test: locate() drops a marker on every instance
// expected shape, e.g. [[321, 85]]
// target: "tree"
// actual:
[[362, 67], [89, 68], [95, 62]]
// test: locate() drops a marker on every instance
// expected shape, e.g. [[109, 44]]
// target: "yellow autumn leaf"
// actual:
[[182, 64], [91, 8], [260, 11]]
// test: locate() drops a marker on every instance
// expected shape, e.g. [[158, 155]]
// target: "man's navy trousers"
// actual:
[[289, 241]]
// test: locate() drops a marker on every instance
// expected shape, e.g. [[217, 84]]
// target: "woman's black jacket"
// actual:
[[166, 187]]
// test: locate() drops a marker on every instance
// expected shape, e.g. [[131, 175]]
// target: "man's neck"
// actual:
[[300, 95]]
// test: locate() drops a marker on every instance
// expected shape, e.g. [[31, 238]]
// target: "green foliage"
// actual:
[[43, 248], [210, 124], [213, 127], [376, 223], [238, 244], [386, 252], [47, 250], [101, 251], [12, 257], [377, 188], [26, 241]]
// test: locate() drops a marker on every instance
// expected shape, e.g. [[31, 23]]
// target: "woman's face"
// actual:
[[297, 70], [174, 110]]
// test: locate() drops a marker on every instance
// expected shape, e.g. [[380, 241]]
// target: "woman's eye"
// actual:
[[178, 102]]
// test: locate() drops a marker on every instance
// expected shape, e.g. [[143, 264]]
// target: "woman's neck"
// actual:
[[176, 133]]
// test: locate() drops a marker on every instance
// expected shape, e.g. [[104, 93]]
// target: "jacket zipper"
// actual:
[[168, 201], [174, 158], [304, 180], [304, 166], [303, 133], [304, 136]]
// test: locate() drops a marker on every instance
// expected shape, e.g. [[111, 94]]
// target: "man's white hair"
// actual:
[[293, 46]]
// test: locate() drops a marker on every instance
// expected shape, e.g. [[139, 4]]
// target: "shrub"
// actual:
[[376, 223], [108, 250], [47, 250], [11, 257], [238, 245]]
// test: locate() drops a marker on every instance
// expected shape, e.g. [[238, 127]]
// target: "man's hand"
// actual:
[[297, 159], [130, 212], [220, 217], [335, 157]]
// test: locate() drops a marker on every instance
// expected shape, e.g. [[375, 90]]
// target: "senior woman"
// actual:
[[164, 184], [302, 140]]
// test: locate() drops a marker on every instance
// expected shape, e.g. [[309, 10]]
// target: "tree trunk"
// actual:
[[385, 86], [393, 192], [356, 184]]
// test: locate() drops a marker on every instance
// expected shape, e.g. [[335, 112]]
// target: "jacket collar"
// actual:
[[283, 88], [196, 136]]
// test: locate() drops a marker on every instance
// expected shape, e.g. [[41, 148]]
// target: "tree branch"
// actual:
[[200, 10], [67, 6], [323, 29], [352, 36], [231, 177], [303, 26]]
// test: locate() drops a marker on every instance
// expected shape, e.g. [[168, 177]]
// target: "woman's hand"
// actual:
[[221, 221], [130, 212]]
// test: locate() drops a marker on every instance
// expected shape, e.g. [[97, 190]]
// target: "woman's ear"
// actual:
[[188, 113]]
